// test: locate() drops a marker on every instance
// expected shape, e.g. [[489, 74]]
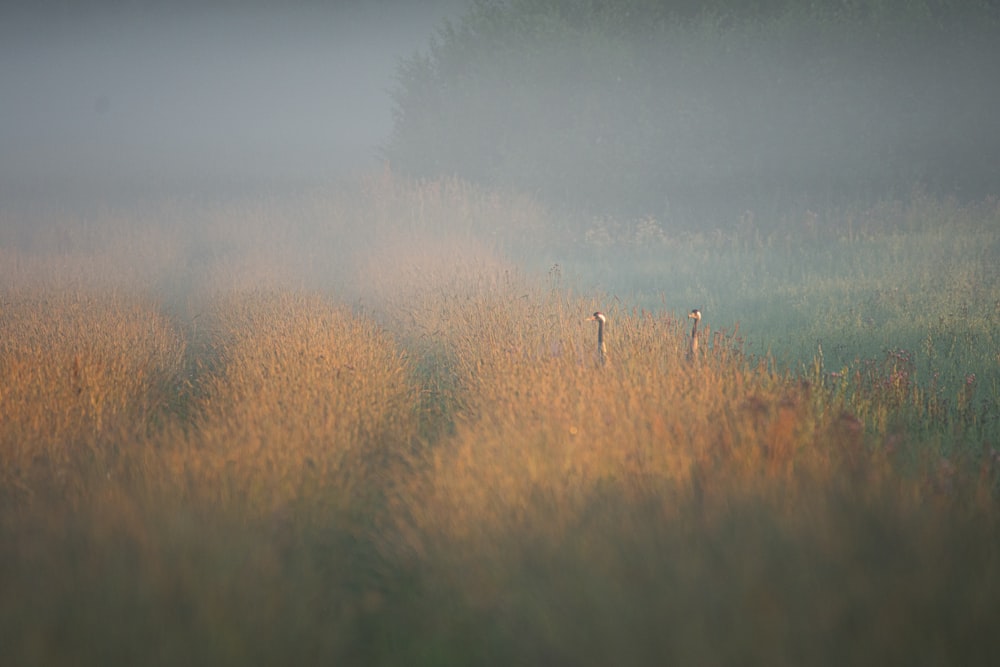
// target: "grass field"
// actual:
[[367, 425]]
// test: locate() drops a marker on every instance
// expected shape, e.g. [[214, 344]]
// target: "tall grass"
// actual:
[[160, 509], [82, 374], [305, 404], [903, 295], [632, 512], [302, 438]]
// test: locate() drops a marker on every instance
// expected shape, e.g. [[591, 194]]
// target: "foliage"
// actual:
[[700, 111]]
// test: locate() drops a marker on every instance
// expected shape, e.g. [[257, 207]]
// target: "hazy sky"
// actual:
[[142, 92]]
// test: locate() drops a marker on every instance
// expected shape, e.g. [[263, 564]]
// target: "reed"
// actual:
[[586, 513], [304, 404], [304, 438], [84, 376]]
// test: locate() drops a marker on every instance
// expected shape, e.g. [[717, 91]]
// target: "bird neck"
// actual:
[[602, 354]]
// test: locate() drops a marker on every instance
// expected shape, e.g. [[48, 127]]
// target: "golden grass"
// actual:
[[159, 508], [306, 404], [544, 427], [624, 513], [442, 472], [81, 375]]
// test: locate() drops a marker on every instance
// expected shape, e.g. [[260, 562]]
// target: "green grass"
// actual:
[[910, 289], [367, 426]]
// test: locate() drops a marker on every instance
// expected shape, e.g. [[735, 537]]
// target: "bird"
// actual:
[[601, 350], [695, 315]]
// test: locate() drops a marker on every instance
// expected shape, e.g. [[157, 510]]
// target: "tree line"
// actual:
[[690, 110]]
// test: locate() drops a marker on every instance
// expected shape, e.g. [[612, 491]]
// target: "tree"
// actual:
[[704, 109]]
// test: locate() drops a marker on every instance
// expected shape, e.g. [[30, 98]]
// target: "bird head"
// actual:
[[597, 317], [695, 314]]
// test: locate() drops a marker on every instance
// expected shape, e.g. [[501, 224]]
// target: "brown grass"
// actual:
[[306, 404], [81, 374], [225, 463]]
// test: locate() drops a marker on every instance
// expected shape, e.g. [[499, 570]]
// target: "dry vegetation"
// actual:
[[348, 429]]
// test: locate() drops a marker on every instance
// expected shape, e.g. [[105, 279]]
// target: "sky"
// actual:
[[119, 95]]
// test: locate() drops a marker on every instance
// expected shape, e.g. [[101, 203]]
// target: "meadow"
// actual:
[[367, 424]]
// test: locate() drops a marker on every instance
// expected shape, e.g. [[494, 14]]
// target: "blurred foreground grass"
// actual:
[[350, 428]]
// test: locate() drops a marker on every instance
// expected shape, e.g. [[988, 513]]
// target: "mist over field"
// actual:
[[691, 114], [523, 332], [694, 113], [112, 99]]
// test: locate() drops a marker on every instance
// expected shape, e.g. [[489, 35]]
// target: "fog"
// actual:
[[671, 113], [119, 99]]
